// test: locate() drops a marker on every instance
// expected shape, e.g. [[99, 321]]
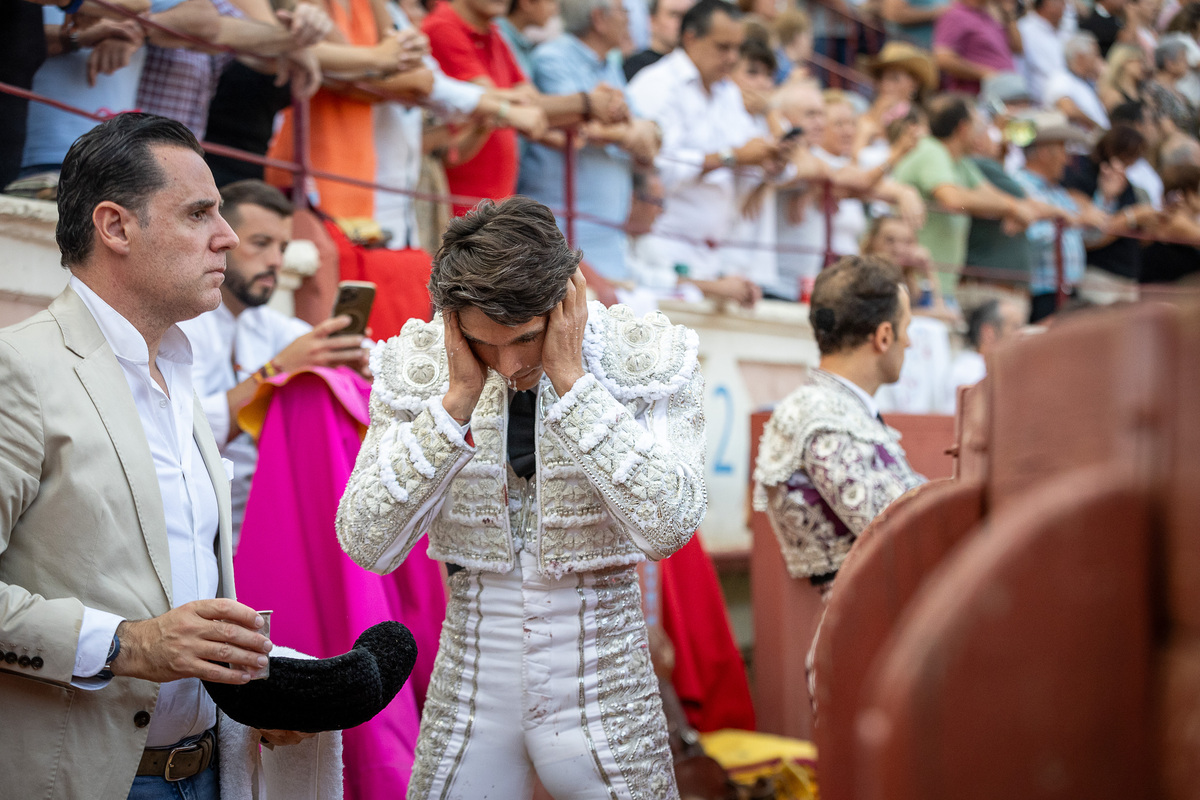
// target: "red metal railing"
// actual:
[[303, 170]]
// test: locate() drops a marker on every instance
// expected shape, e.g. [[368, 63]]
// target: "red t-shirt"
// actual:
[[465, 53]]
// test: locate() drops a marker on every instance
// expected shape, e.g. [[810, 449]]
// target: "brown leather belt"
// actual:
[[183, 761]]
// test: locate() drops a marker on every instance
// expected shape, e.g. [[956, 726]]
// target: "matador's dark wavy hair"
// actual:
[[507, 259]]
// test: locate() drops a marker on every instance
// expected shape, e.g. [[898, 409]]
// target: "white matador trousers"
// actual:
[[545, 675]]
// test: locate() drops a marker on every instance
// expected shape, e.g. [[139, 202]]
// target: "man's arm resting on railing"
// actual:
[[976, 202], [409, 87], [62, 39], [1182, 228], [95, 10], [640, 138], [603, 104], [907, 201], [458, 144], [351, 62], [197, 18], [1075, 114], [266, 33], [753, 153], [952, 63], [859, 180]]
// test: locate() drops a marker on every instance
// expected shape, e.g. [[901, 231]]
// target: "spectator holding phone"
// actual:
[[242, 343]]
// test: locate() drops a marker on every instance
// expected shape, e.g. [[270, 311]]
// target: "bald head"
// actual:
[[803, 106]]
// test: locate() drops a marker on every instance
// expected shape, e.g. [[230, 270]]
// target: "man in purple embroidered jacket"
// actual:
[[547, 446], [828, 464]]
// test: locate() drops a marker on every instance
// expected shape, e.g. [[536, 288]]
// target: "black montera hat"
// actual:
[[326, 694]]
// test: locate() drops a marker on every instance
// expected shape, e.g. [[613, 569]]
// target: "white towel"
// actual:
[[311, 770]]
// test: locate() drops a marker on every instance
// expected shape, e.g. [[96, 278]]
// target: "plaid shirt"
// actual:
[[179, 83], [1041, 237]]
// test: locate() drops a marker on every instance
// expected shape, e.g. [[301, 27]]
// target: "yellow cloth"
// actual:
[[747, 756]]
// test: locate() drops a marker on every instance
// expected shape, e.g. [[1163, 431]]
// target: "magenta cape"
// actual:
[[289, 561]]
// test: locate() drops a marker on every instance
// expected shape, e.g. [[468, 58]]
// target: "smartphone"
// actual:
[[354, 299]]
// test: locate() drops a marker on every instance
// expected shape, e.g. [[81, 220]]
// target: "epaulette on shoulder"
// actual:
[[647, 358], [411, 367]]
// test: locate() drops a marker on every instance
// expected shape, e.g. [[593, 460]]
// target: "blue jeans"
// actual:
[[203, 786]]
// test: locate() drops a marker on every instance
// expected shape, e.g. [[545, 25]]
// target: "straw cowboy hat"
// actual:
[[1053, 126], [908, 57]]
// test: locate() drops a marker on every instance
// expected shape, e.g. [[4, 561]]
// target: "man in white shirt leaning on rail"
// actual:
[[241, 343], [706, 134], [1073, 90]]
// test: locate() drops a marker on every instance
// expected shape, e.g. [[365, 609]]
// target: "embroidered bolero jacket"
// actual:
[[826, 468], [620, 457]]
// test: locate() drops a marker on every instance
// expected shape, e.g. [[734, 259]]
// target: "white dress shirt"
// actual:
[[1080, 92], [189, 502], [700, 207], [850, 219], [1043, 54], [867, 399], [756, 262], [922, 385], [967, 369], [398, 151], [803, 239], [219, 341]]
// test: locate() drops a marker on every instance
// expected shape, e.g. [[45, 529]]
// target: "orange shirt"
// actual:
[[341, 137]]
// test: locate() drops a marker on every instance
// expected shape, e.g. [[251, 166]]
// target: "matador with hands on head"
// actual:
[[547, 445]]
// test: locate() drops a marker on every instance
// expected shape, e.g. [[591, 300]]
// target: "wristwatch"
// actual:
[[727, 158], [114, 650]]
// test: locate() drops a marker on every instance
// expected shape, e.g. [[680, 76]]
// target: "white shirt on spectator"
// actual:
[[1143, 176], [923, 378], [398, 143], [219, 342], [1043, 56], [1080, 92], [757, 260], [652, 269], [189, 502], [700, 207], [801, 243], [850, 220], [967, 369]]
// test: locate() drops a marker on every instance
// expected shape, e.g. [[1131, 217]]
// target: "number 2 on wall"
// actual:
[[721, 465]]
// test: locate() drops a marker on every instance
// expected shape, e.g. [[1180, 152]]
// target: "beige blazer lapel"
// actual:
[[202, 433], [102, 378]]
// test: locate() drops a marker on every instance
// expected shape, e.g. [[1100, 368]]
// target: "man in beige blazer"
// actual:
[[116, 572]]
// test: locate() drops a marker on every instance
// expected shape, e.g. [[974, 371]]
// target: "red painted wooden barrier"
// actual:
[[1023, 668], [786, 613], [887, 565]]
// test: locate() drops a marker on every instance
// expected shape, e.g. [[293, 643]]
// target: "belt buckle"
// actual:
[[189, 748]]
